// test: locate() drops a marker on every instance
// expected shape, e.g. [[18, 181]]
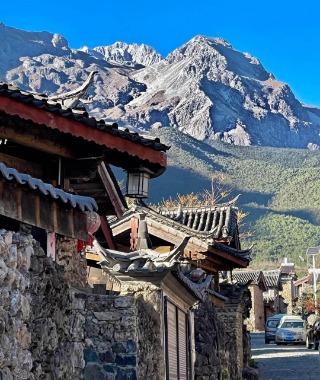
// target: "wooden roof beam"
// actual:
[[77, 129]]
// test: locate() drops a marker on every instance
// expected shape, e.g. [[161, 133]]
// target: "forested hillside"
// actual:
[[280, 189]]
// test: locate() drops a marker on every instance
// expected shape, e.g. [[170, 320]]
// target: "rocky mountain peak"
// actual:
[[204, 88], [124, 53]]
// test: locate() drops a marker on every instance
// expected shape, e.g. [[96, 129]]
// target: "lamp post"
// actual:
[[313, 251]]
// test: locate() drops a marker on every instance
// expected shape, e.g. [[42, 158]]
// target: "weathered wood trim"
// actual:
[[31, 138], [50, 120], [44, 212], [225, 255], [111, 190], [208, 257], [22, 166], [107, 232]]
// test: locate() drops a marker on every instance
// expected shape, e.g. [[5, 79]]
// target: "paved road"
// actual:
[[289, 362]]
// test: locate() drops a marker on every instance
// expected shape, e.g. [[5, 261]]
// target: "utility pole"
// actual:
[[313, 251]]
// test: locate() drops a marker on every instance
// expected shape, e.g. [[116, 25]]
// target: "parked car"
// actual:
[[291, 329], [313, 335], [271, 327]]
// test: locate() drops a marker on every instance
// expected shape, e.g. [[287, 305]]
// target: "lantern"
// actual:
[[93, 222], [138, 183]]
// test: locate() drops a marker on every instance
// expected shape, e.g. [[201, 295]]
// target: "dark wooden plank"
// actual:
[[23, 166], [33, 208]]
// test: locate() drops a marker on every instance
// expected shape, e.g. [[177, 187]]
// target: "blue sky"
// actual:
[[282, 34]]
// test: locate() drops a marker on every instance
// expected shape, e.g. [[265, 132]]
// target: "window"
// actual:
[[273, 323], [177, 347]]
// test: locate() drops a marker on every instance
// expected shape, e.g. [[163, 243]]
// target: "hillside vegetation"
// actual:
[[280, 189]]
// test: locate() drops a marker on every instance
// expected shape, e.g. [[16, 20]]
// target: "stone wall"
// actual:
[[150, 334], [256, 320], [49, 330], [16, 360], [74, 264], [287, 296], [109, 333], [128, 333], [223, 347], [235, 350], [209, 342], [231, 317]]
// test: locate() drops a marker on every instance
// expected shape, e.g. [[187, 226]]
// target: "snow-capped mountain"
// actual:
[[205, 88]]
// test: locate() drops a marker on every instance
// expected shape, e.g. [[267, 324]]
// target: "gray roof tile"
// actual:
[[46, 189], [244, 277], [272, 277], [41, 101]]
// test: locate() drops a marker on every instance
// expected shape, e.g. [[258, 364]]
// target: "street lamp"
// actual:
[[313, 251]]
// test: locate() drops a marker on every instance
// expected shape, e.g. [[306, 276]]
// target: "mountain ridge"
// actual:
[[217, 116], [204, 88]]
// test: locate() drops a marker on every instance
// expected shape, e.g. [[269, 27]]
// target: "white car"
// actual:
[[291, 329]]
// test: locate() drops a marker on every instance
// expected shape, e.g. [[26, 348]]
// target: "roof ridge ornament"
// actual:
[[72, 98]]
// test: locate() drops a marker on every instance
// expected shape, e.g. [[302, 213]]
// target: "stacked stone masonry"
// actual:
[[50, 330], [256, 320]]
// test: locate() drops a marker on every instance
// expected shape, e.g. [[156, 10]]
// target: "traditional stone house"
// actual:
[[257, 286], [214, 243], [164, 297], [56, 327], [305, 296], [273, 301], [289, 293], [213, 246], [54, 178]]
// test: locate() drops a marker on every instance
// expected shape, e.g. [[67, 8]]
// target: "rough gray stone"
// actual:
[[109, 316], [123, 302], [94, 371]]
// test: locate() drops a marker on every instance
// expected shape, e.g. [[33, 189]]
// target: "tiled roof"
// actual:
[[268, 298], [42, 102], [224, 227], [75, 201], [304, 280], [272, 277], [149, 263], [234, 292], [219, 227], [217, 222], [241, 253], [287, 268], [146, 263], [244, 277]]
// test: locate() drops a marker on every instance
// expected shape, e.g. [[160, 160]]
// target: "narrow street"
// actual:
[[289, 362]]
